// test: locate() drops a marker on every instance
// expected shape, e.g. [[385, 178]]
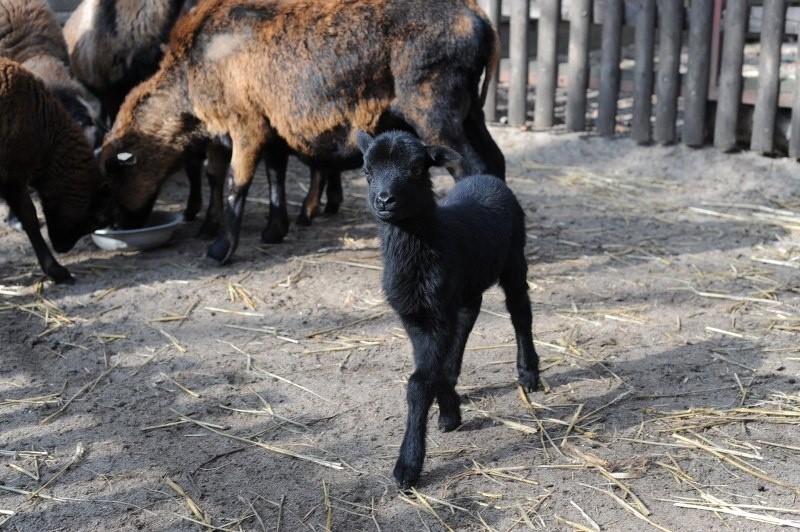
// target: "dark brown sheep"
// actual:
[[31, 36], [308, 73], [43, 148]]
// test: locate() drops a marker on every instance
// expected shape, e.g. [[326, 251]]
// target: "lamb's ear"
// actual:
[[364, 140], [443, 156]]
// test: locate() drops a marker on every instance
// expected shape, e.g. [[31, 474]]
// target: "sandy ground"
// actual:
[[270, 394]]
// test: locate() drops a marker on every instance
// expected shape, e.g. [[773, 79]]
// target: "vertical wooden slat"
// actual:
[[580, 17], [490, 105], [644, 44], [546, 62], [768, 76], [518, 56], [794, 140], [730, 75], [696, 100], [609, 67], [668, 81]]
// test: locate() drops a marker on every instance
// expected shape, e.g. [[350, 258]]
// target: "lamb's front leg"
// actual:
[[448, 399], [244, 159], [429, 346]]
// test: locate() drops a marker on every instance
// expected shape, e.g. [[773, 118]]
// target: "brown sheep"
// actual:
[[308, 73], [43, 148], [31, 36]]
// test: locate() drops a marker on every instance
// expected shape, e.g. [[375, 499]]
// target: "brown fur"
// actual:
[[310, 73], [31, 36], [43, 148]]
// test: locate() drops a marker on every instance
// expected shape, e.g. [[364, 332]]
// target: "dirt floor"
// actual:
[[161, 393]]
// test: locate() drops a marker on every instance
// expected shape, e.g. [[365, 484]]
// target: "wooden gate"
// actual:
[[689, 55]]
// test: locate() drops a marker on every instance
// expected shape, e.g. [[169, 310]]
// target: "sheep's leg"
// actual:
[[19, 201], [312, 200], [244, 159], [514, 282], [13, 220], [429, 343], [480, 139], [278, 222], [333, 192], [218, 159], [448, 399], [194, 171]]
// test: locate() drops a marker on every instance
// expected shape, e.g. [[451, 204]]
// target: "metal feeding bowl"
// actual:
[[158, 230]]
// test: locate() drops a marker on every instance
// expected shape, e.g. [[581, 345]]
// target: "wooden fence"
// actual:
[[708, 34]]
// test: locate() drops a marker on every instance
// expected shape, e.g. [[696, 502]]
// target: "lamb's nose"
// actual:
[[384, 200]]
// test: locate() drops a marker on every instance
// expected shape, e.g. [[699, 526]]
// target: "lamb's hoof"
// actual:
[[529, 380], [405, 475], [273, 234], [448, 423]]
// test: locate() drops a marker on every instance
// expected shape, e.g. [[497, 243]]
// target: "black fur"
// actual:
[[438, 261]]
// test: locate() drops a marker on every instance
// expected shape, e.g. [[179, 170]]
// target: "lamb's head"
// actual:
[[145, 146], [396, 165]]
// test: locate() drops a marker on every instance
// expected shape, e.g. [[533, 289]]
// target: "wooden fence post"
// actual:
[[609, 67], [546, 62], [696, 100], [490, 105], [794, 141], [644, 44], [518, 57], [768, 76], [580, 18], [730, 75], [668, 81]]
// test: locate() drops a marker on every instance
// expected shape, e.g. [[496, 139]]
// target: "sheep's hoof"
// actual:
[[304, 219], [219, 252], [273, 234], [208, 229], [405, 475], [61, 275], [331, 208], [529, 380]]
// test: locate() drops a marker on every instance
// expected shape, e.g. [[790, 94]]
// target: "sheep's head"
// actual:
[[396, 165], [141, 151]]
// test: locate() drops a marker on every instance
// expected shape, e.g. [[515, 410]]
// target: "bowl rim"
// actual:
[[177, 219]]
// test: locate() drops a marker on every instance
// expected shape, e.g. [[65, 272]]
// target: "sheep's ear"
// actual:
[[364, 140], [442, 156]]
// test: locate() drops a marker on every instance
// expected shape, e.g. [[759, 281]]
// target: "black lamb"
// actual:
[[438, 261]]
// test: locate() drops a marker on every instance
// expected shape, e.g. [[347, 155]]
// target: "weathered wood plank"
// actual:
[[546, 63], [669, 80], [578, 67], [761, 140], [609, 67], [730, 75], [518, 52], [644, 44]]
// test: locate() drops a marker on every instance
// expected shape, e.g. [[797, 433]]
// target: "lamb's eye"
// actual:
[[367, 175]]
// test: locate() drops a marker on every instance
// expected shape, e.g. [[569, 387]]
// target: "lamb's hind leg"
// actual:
[[448, 399], [19, 202], [276, 160], [514, 282], [429, 343]]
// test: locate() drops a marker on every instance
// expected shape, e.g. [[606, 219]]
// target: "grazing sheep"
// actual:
[[307, 73], [438, 261], [42, 147], [31, 36]]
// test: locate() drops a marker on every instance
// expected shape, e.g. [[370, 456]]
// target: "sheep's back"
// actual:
[[29, 28]]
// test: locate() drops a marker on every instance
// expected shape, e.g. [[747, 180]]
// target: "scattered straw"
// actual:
[[263, 445], [85, 389], [202, 517]]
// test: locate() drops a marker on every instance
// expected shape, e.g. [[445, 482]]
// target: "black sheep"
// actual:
[[438, 261]]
